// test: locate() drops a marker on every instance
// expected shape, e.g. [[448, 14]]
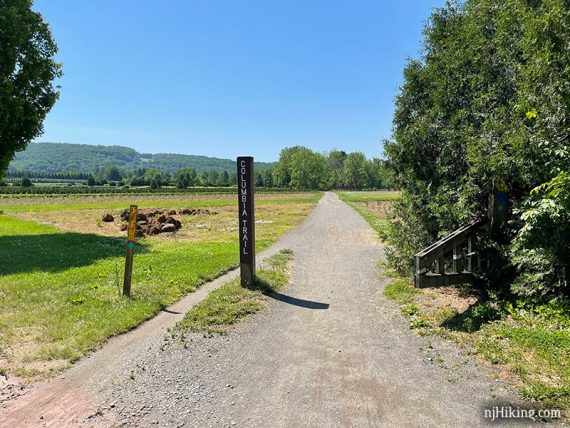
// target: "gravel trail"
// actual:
[[330, 351]]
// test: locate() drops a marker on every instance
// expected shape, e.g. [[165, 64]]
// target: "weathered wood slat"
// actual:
[[440, 265], [435, 280], [433, 258], [426, 257]]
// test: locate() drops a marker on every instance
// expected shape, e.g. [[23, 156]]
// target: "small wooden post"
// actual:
[[456, 262], [470, 252], [479, 259], [440, 265], [130, 247], [418, 277]]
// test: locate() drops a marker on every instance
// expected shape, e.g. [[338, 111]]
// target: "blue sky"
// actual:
[[227, 78]]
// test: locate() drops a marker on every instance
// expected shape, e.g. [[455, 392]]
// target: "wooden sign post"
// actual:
[[130, 247], [245, 179]]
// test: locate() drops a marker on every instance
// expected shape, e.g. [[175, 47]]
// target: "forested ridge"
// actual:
[[54, 158], [297, 168]]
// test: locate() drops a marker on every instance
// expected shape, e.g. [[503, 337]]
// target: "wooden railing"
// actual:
[[430, 263]]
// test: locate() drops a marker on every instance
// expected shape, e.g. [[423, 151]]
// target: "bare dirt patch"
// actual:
[[37, 202], [200, 226], [98, 221], [447, 298]]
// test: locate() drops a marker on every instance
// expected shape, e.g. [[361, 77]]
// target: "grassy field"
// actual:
[[373, 206], [529, 343], [370, 196], [62, 268], [38, 203]]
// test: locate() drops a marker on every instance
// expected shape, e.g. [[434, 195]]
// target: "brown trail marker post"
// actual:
[[246, 220], [133, 211]]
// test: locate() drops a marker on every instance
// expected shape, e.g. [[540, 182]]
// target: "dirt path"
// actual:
[[330, 351]]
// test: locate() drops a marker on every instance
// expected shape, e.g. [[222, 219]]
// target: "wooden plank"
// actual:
[[444, 246], [428, 281], [456, 260], [131, 234], [440, 266], [449, 238], [418, 280], [470, 255]]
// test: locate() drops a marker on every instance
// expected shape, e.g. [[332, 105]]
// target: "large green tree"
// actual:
[[335, 167], [307, 170], [282, 170], [487, 104], [302, 168], [354, 171], [27, 72], [110, 173]]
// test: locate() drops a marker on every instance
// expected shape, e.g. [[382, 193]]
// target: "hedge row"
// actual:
[[75, 190]]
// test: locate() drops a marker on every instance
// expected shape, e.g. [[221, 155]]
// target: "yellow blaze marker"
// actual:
[[132, 222]]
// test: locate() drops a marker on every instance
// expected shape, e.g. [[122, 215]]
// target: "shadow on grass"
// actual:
[[57, 251], [474, 317], [268, 290]]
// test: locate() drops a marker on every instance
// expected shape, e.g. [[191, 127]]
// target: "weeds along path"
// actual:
[[329, 351]]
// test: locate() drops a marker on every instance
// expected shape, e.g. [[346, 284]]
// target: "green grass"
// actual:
[[114, 202], [530, 343], [367, 196], [230, 303], [60, 291], [401, 291], [359, 201], [535, 344]]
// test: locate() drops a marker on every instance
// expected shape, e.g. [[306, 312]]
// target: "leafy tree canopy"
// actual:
[[301, 168], [487, 104], [27, 72]]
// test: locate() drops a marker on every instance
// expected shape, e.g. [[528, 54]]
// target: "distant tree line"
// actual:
[[71, 175], [301, 168], [114, 176], [297, 168], [55, 158]]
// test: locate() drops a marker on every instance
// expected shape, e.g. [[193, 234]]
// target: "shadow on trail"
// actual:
[[170, 312], [267, 290], [297, 302], [55, 252]]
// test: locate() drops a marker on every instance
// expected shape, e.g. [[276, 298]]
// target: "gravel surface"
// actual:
[[329, 351]]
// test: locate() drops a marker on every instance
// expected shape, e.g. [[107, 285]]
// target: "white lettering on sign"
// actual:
[[244, 200]]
